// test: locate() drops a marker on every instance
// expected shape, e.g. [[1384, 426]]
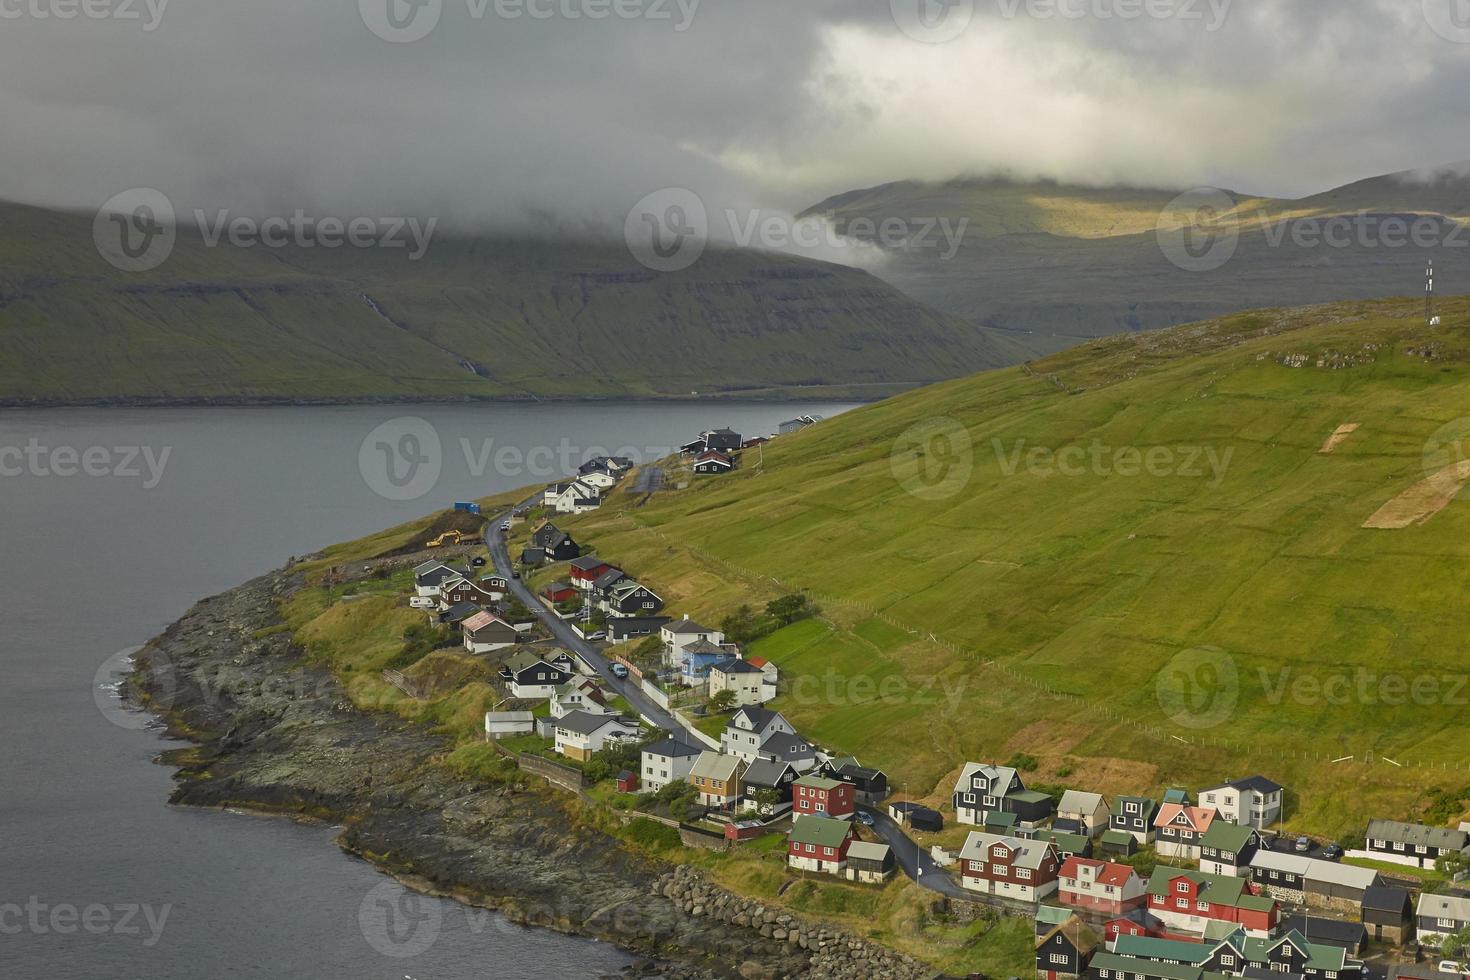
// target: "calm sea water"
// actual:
[[113, 523]]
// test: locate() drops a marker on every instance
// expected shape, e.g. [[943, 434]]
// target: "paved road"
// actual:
[[562, 631], [912, 860]]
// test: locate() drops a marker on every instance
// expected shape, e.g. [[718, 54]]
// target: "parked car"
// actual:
[[478, 561], [600, 635], [1451, 966], [864, 818], [1332, 851], [505, 525], [619, 671], [1303, 845]]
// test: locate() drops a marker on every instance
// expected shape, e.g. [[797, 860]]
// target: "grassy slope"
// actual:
[[1051, 603], [1047, 265], [537, 319]]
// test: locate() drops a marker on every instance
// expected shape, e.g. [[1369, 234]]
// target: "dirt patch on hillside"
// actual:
[[1423, 500], [1338, 435], [470, 526]]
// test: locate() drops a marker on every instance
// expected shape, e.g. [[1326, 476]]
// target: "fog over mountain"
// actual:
[[516, 115]]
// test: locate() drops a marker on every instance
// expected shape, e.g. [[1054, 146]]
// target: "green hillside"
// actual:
[[1049, 265], [473, 318], [1132, 561]]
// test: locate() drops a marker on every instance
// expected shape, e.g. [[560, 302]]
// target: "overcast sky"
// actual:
[[263, 106]]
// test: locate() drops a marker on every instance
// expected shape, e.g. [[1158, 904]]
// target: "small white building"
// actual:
[[501, 723], [1252, 802], [745, 680], [580, 735], [579, 694], [667, 761], [679, 633], [1088, 809], [575, 497]]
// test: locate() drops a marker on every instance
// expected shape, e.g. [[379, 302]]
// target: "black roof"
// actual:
[[672, 747], [627, 625], [1333, 932], [1385, 898], [1258, 783]]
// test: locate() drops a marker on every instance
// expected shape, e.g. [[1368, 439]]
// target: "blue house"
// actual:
[[696, 659]]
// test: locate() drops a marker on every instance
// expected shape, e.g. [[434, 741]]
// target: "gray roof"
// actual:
[[687, 625], [1316, 870], [672, 748], [1077, 801], [1445, 907], [1001, 778], [1259, 784], [758, 717], [785, 745], [1031, 852], [1418, 834], [736, 666], [865, 851], [766, 772], [585, 723]]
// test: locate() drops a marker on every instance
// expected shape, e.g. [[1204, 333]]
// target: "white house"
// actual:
[[1088, 809], [1253, 802], [485, 632], [532, 677], [667, 761], [500, 723], [581, 734], [679, 633], [578, 695], [431, 575], [600, 479], [745, 680], [575, 497], [748, 730], [1439, 916]]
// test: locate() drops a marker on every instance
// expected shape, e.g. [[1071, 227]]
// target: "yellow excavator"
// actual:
[[449, 537]]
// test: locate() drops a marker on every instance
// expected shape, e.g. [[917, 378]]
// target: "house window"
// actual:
[[1182, 903], [1023, 874], [1131, 807], [997, 869], [1227, 961], [1059, 958], [1447, 923], [1202, 906], [827, 851], [969, 797], [1182, 886]]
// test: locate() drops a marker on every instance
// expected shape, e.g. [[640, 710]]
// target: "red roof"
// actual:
[[714, 454], [757, 661], [1108, 872]]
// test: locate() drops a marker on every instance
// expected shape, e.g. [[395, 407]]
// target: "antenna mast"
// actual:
[[1429, 316]]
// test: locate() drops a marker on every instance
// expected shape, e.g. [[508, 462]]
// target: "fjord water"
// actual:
[[98, 876]]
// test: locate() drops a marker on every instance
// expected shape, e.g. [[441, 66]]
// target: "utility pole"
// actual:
[[1429, 318]]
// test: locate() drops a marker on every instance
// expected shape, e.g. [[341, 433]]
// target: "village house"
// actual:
[[1388, 914], [584, 570], [428, 577], [559, 592], [1008, 866], [713, 463], [628, 598], [819, 844], [746, 681], [668, 760], [600, 479], [819, 796], [697, 659], [749, 728], [717, 777], [1440, 916], [485, 632], [483, 593], [769, 778], [556, 544], [679, 633], [1252, 802], [1067, 845], [579, 694], [797, 424], [574, 497], [723, 440], [1134, 815], [909, 814], [580, 734], [790, 748], [1301, 880], [1189, 902], [985, 789], [603, 587], [870, 786], [1100, 886], [1227, 849], [1086, 812], [1413, 844], [870, 864], [499, 724], [1117, 844], [532, 676], [1064, 951], [631, 627], [1232, 954], [1179, 827]]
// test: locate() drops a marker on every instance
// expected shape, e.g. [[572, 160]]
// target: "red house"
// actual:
[[819, 844], [818, 796], [1102, 886], [1189, 901], [627, 782], [1127, 927], [586, 570], [559, 592]]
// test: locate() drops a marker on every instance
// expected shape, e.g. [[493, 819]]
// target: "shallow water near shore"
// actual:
[[141, 513]]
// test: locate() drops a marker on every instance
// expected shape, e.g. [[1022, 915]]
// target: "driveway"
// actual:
[[564, 634], [914, 862]]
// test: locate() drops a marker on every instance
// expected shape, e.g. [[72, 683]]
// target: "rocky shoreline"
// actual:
[[275, 734]]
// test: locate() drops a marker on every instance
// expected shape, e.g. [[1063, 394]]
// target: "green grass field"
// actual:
[[1193, 600]]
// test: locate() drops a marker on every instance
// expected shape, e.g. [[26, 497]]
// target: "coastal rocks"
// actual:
[[833, 954]]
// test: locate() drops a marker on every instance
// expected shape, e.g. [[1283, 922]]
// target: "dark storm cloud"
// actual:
[[510, 120]]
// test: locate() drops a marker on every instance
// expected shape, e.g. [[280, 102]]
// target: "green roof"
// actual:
[[821, 831], [1226, 836], [1217, 889], [818, 782], [1000, 820], [1052, 914], [1071, 843], [1319, 956], [1027, 796], [1117, 837], [1148, 947], [1127, 964]]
